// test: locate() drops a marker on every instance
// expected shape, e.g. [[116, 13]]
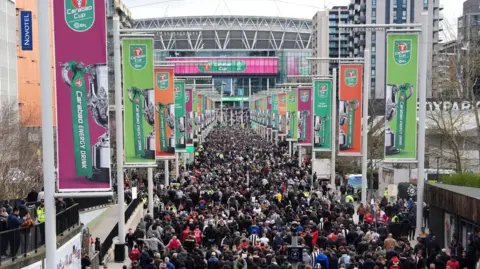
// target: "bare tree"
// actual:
[[20, 157]]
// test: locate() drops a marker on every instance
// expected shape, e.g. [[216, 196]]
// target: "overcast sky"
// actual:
[[282, 8]]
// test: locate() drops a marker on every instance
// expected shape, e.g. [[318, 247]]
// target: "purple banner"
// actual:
[[83, 140], [190, 116], [298, 66], [304, 116]]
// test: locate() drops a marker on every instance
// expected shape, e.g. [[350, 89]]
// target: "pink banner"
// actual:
[[190, 117], [230, 65], [83, 138], [305, 116]]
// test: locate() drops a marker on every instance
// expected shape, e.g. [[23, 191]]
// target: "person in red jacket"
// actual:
[[368, 218], [185, 233], [134, 254], [198, 235], [453, 263], [174, 244]]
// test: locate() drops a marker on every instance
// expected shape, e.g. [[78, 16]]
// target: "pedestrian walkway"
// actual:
[[105, 223]]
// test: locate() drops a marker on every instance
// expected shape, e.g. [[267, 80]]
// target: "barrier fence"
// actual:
[[18, 242]]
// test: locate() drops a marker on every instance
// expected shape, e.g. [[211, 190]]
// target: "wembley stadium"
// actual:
[[241, 54]]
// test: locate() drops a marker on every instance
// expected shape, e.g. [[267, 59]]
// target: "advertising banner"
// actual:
[[298, 66], [180, 119], [350, 110], [282, 112], [401, 98], [275, 112], [230, 65], [269, 112], [164, 113], [195, 120], [139, 102], [81, 72], [292, 115], [26, 30], [322, 119], [189, 113], [199, 113], [304, 116]]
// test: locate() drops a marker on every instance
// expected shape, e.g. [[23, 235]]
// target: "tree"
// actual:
[[457, 129], [20, 157]]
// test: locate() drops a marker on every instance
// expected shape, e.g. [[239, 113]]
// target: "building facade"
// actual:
[[269, 50], [29, 88], [8, 60]]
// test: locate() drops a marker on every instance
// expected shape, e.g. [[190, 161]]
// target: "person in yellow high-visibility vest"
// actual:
[[385, 193], [40, 220], [349, 199]]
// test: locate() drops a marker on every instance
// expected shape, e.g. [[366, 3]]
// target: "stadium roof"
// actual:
[[302, 9]]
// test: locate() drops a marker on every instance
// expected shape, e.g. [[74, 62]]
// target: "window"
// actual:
[[374, 3], [425, 4], [374, 13]]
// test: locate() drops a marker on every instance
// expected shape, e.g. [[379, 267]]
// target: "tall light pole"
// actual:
[[366, 95], [47, 133]]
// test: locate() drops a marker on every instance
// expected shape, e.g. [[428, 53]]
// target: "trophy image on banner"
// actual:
[[274, 121], [397, 96], [347, 116], [144, 146], [302, 125], [319, 126], [166, 115], [290, 123], [93, 163], [181, 128], [190, 120], [280, 123], [198, 125]]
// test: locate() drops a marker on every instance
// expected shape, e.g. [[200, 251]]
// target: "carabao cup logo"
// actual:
[[292, 99], [138, 56], [304, 96], [322, 91], [283, 99], [351, 77], [402, 51], [79, 14], [177, 92], [163, 79]]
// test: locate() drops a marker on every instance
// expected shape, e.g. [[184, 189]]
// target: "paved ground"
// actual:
[[88, 217]]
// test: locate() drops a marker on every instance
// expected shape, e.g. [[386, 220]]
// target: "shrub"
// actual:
[[462, 179]]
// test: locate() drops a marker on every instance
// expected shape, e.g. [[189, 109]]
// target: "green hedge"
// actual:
[[462, 179]]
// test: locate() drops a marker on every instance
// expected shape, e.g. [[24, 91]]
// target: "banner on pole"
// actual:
[[164, 113], [139, 102], [83, 138], [292, 115], [350, 110], [401, 98], [189, 117], [269, 112], [180, 119], [304, 116], [275, 112], [199, 116], [195, 120], [282, 112], [322, 120]]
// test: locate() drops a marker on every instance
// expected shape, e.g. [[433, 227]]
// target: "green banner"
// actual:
[[180, 117], [223, 66], [322, 120], [401, 98], [275, 112], [139, 102], [292, 117], [81, 129]]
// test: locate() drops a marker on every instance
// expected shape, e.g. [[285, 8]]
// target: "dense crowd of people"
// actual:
[[243, 201]]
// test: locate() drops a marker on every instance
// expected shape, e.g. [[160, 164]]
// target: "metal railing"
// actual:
[[18, 242], [108, 242]]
